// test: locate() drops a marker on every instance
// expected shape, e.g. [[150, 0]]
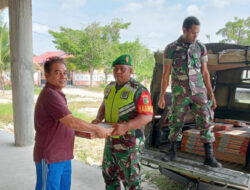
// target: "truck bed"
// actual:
[[191, 165]]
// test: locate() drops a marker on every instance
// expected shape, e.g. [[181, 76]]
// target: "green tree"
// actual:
[[85, 45], [69, 41], [93, 47], [111, 48], [143, 59], [4, 53], [237, 31], [112, 51], [144, 70], [112, 30]]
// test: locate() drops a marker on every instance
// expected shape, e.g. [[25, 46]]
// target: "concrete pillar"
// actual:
[[22, 70]]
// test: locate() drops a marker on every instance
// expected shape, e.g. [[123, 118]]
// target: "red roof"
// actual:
[[40, 59]]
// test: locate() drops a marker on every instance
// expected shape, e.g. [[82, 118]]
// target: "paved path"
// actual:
[[17, 169]]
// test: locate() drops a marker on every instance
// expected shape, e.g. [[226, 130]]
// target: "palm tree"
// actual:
[[4, 52]]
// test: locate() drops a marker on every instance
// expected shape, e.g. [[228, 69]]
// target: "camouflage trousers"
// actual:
[[201, 111], [121, 162]]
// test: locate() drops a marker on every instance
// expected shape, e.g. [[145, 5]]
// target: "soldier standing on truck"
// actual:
[[127, 104], [186, 60]]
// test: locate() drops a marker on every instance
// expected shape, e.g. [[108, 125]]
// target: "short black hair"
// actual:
[[52, 60], [189, 21]]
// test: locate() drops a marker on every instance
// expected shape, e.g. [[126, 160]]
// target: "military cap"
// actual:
[[123, 60]]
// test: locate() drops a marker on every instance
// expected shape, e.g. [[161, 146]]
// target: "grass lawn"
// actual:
[[94, 89], [164, 183], [82, 104], [37, 89], [75, 106], [82, 146], [6, 113]]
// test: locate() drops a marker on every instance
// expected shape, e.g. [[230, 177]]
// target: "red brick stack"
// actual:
[[222, 127], [230, 145], [85, 134], [191, 142], [236, 123]]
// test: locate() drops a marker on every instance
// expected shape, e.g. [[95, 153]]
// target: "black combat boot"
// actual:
[[209, 156], [172, 154]]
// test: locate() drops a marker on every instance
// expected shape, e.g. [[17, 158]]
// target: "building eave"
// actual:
[[3, 4]]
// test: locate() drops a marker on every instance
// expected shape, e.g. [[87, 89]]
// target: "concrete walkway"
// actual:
[[17, 169]]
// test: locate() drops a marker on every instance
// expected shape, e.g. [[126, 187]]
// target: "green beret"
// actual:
[[123, 60]]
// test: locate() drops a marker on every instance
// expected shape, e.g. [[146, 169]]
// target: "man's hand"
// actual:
[[119, 129], [161, 103], [164, 85], [214, 102], [102, 132], [96, 121]]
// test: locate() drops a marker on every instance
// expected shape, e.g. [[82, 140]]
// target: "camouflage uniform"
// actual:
[[122, 154], [188, 88]]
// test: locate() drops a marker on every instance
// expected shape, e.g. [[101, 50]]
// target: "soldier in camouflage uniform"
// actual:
[[186, 61], [127, 104]]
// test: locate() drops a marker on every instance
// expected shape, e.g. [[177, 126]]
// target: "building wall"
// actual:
[[37, 78], [79, 78], [75, 78]]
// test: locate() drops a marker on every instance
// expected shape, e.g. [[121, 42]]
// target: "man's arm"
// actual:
[[81, 125], [145, 113], [207, 81], [164, 84], [136, 123], [100, 114]]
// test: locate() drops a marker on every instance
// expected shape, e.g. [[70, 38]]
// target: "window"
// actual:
[[242, 95], [245, 77]]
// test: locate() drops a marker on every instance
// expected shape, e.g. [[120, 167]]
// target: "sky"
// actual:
[[155, 22]]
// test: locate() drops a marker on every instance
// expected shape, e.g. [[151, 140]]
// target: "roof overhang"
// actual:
[[3, 4]]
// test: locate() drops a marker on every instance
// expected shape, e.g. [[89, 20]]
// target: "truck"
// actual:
[[229, 68]]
